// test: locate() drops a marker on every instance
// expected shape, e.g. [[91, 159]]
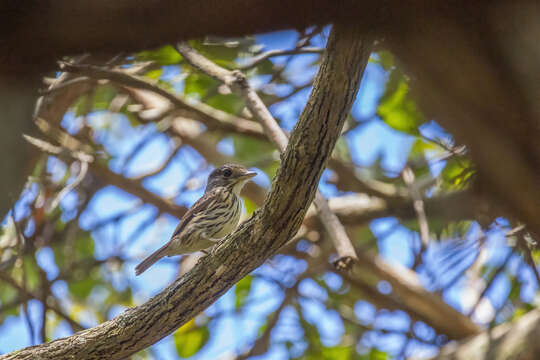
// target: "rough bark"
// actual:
[[293, 189]]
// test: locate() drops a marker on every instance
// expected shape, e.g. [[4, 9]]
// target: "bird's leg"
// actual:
[[208, 238], [209, 250]]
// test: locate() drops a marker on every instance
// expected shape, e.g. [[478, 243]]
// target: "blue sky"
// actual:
[[234, 332]]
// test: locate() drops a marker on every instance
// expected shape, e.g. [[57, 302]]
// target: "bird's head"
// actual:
[[231, 176]]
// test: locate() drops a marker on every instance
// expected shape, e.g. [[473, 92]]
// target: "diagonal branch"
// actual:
[[427, 306], [50, 303], [255, 240], [239, 82], [198, 111], [256, 60], [143, 91]]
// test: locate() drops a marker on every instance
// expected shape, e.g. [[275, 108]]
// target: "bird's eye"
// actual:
[[227, 172]]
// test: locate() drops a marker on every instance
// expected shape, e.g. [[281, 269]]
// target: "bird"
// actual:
[[211, 218]]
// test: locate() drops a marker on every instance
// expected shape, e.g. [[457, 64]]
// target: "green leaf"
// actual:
[[396, 108], [7, 295], [229, 103], [81, 106], [190, 338], [103, 95], [84, 283], [265, 68], [457, 173], [166, 55], [154, 74], [32, 272], [250, 206], [420, 147], [222, 52], [375, 354], [253, 152], [337, 352], [84, 246], [199, 84], [241, 291]]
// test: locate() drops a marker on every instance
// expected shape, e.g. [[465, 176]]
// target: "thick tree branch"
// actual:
[[239, 82], [293, 189]]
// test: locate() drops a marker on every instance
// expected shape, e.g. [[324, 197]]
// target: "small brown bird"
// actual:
[[211, 218]]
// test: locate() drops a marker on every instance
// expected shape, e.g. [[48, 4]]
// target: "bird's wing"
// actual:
[[200, 205]]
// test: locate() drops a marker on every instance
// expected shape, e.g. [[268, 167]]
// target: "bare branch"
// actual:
[[255, 240], [198, 111], [278, 52], [418, 204], [52, 304], [239, 82]]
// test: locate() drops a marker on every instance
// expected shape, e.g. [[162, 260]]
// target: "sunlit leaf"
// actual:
[[166, 55], [241, 291], [7, 296], [199, 85], [420, 147], [190, 338], [375, 354], [457, 173], [337, 352], [154, 74], [250, 206], [396, 107]]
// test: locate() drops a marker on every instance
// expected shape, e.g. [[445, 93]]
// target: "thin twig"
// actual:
[[160, 168], [278, 52], [418, 204], [199, 111], [80, 176], [21, 240], [45, 291], [490, 282], [212, 118], [52, 305]]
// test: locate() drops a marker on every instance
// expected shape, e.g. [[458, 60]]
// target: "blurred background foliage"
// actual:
[[120, 165]]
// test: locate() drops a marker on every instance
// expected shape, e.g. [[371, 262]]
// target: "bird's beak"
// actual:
[[249, 175]]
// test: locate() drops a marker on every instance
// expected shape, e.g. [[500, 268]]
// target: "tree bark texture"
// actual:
[[311, 143]]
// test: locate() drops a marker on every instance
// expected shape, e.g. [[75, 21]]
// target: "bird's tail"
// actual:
[[150, 260]]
